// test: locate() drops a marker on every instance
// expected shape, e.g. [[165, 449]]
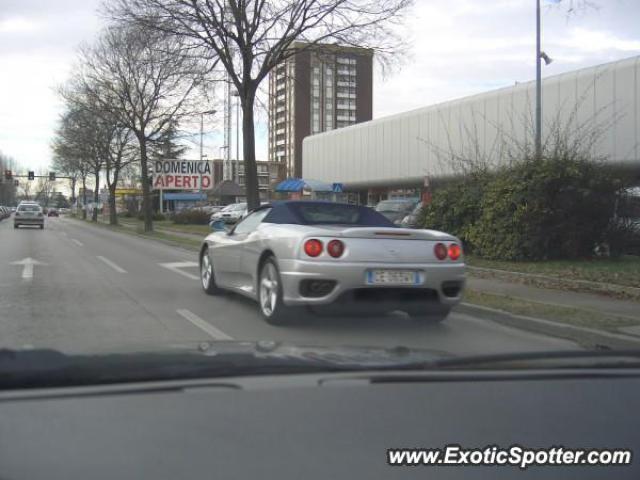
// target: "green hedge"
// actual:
[[155, 216], [456, 207], [554, 208], [193, 217]]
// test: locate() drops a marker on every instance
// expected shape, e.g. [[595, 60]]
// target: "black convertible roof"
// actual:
[[288, 212]]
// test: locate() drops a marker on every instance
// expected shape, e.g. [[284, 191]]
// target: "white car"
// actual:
[[231, 213], [28, 213]]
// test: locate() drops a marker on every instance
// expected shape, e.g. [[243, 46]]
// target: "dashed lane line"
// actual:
[[203, 325]]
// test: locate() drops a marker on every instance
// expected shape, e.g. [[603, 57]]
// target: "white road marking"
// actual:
[[112, 265], [200, 323], [27, 270], [176, 266], [77, 242]]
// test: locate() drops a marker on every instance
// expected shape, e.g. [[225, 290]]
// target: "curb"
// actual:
[[587, 337]]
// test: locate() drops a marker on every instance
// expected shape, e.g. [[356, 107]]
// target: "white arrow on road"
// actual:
[[176, 267], [27, 271]]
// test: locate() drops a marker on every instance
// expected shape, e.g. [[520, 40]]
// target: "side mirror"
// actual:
[[217, 226]]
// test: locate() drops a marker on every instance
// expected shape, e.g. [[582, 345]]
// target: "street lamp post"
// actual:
[[237, 175], [202, 114], [538, 139], [540, 56]]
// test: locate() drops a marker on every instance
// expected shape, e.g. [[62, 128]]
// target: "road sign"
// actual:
[[182, 175], [128, 191]]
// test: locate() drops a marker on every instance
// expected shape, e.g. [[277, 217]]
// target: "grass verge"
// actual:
[[168, 225], [623, 271], [558, 313], [164, 237]]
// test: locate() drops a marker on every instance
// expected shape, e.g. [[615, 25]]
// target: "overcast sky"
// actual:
[[459, 48]]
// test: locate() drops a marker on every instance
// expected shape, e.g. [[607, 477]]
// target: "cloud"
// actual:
[[470, 47], [459, 48], [17, 25]]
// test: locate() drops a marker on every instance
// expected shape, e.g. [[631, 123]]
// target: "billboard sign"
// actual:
[[182, 175]]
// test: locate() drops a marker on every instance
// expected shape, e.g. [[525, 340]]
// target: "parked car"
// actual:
[[210, 209], [313, 253], [4, 212], [396, 210], [411, 220], [231, 213], [28, 213]]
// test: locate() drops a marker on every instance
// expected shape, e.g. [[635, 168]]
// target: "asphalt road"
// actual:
[[82, 288]]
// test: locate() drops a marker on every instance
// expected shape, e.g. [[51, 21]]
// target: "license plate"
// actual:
[[393, 277]]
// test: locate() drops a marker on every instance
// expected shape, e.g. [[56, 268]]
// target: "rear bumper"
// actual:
[[441, 283], [28, 221]]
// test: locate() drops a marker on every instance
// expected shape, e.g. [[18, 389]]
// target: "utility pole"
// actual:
[[538, 139], [227, 170], [201, 152], [237, 176]]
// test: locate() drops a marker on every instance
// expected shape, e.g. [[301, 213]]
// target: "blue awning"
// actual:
[[299, 184], [185, 197]]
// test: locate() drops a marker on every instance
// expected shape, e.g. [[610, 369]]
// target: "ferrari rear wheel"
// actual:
[[272, 308], [429, 313], [207, 275]]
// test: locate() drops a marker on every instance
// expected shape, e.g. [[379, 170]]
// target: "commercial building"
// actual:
[[397, 152], [269, 173], [321, 88]]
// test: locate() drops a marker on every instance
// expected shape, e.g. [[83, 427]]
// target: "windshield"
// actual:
[[29, 208], [387, 179], [322, 213]]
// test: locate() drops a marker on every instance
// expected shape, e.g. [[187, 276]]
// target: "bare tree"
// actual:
[[143, 80], [66, 167], [72, 146], [251, 37], [7, 187], [44, 191], [119, 154]]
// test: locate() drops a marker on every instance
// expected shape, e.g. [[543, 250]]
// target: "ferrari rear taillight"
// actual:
[[440, 251], [335, 248], [454, 251], [313, 247]]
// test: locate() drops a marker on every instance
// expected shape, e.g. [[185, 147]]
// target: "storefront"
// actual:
[[308, 189], [180, 201]]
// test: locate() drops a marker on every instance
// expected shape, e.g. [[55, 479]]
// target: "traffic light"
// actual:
[[52, 176], [8, 174], [31, 175]]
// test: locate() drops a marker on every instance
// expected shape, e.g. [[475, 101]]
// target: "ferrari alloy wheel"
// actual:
[[206, 274], [272, 307]]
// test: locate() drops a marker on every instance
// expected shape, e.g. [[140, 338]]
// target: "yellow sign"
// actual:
[[128, 191]]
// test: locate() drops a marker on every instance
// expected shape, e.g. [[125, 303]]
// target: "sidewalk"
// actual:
[[585, 301]]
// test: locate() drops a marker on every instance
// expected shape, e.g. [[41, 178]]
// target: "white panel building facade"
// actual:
[[400, 150]]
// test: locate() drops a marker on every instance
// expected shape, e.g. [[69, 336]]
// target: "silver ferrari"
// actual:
[[309, 253]]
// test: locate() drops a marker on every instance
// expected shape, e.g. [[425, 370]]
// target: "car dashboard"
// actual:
[[315, 426]]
